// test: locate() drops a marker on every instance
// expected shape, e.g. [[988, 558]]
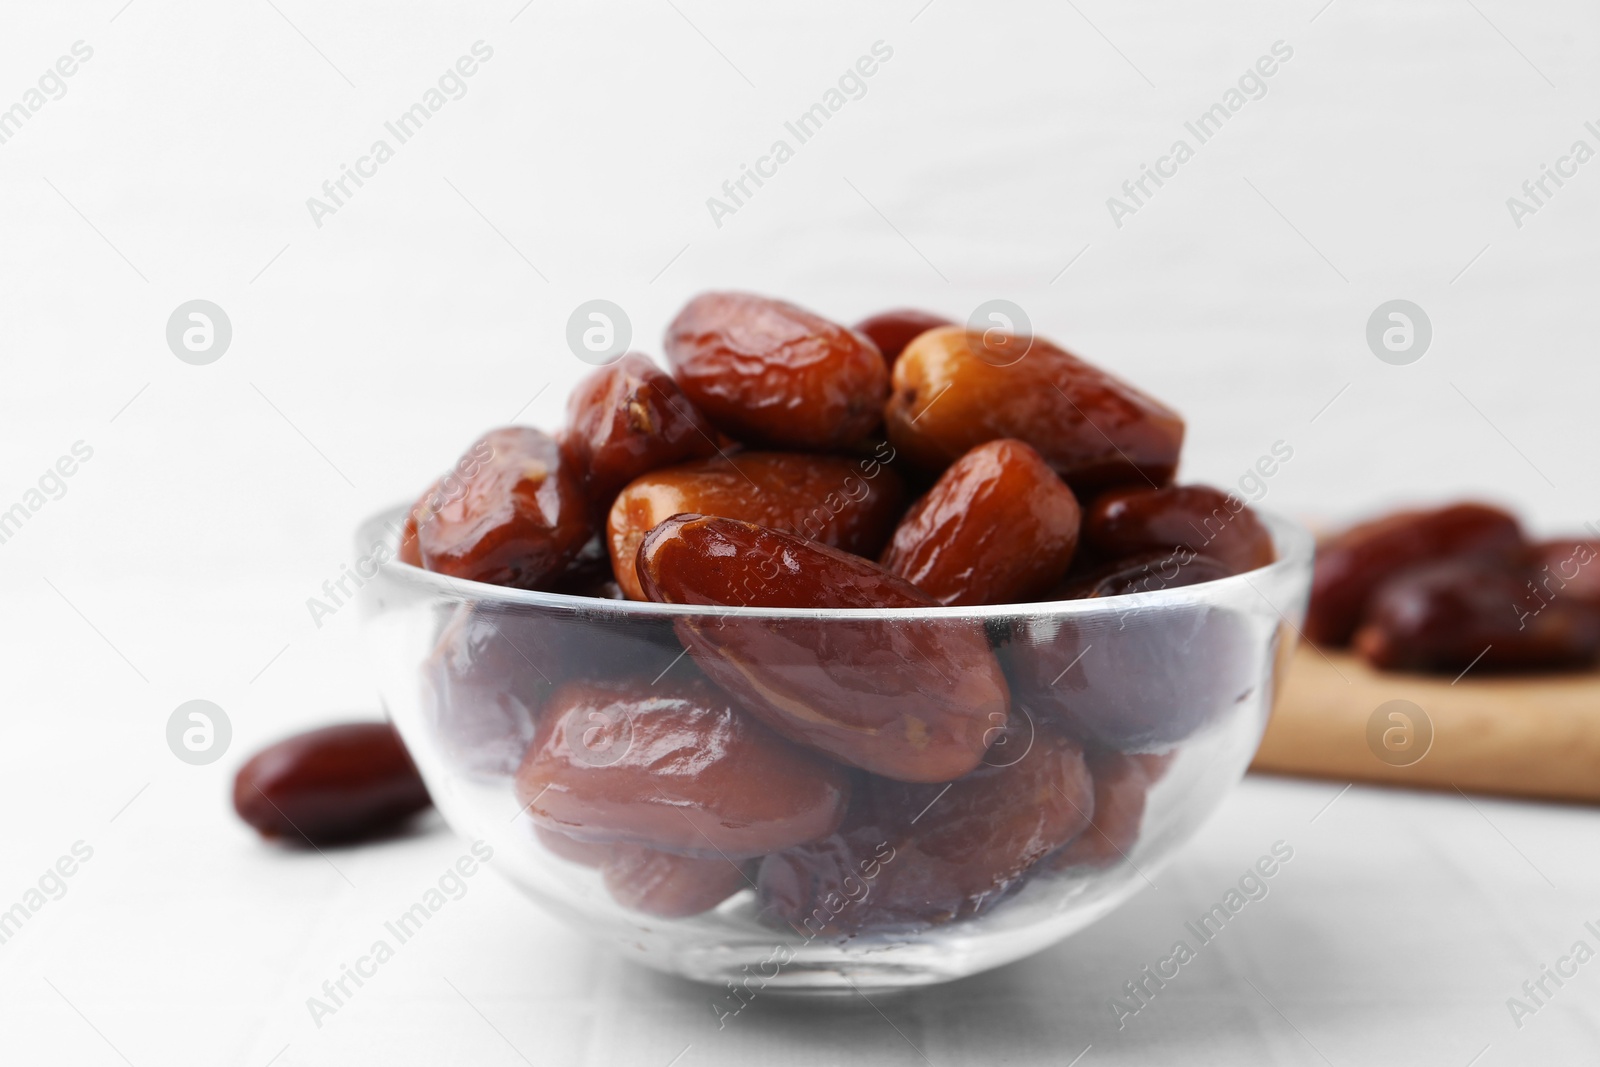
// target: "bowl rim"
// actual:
[[1293, 541]]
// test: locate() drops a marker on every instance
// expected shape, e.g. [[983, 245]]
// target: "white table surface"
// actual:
[[368, 352]]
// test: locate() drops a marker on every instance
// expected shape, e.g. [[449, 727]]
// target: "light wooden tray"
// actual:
[[1532, 736]]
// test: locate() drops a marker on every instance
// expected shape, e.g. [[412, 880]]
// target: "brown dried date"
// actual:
[[330, 786], [1144, 572], [1121, 784], [667, 884], [1477, 613], [912, 855], [446, 488], [1092, 428], [628, 419], [913, 699], [1352, 565], [850, 504], [1139, 682], [769, 373], [583, 853], [1206, 521], [1567, 568], [998, 527], [484, 682], [519, 518], [891, 331], [589, 573], [673, 765]]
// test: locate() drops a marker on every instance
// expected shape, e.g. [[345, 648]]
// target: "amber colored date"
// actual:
[[913, 699], [518, 519], [915, 855], [628, 419], [948, 395], [891, 331], [673, 765], [668, 885], [848, 503], [335, 785], [1480, 614], [1352, 565], [998, 527], [447, 487], [769, 373], [1206, 521]]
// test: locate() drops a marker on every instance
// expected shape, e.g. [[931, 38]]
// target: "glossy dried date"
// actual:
[[335, 785], [484, 682], [997, 528], [1121, 784], [668, 885], [769, 373], [1092, 428], [628, 419], [1566, 568], [1145, 572], [891, 331], [914, 699], [913, 855], [1482, 614], [583, 853], [519, 519], [1139, 682], [1207, 521], [673, 765], [1352, 565], [848, 503]]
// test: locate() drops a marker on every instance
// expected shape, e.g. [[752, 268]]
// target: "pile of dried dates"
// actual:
[[866, 772], [1457, 587]]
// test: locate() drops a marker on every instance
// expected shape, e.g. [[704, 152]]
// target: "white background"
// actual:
[[368, 353]]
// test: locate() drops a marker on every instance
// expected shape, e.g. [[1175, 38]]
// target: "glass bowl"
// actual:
[[1139, 712]]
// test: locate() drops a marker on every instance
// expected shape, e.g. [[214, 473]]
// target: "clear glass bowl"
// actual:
[[1184, 677]]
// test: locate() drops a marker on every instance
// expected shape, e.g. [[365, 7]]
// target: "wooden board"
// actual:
[[1531, 736]]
